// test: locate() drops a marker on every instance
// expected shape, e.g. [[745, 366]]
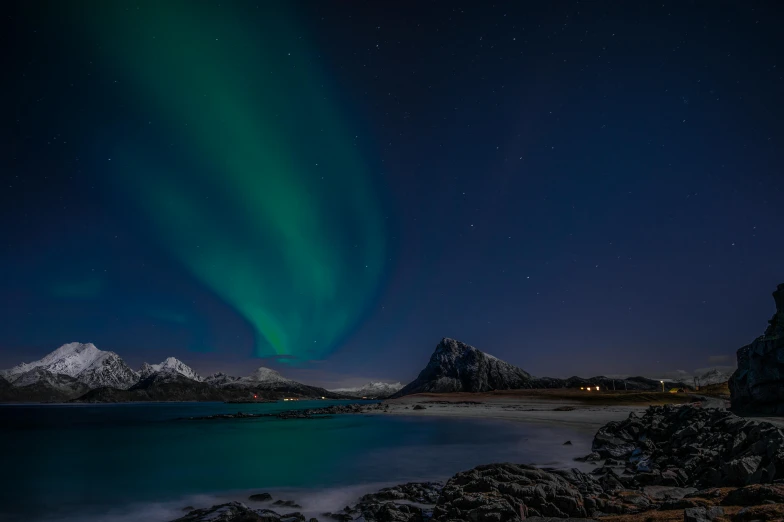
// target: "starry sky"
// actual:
[[328, 188]]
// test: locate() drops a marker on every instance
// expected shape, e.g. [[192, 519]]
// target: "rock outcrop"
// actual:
[[689, 446], [238, 512], [505, 492], [458, 367], [757, 386]]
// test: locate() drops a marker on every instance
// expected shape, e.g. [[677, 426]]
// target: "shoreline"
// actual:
[[563, 414], [613, 484]]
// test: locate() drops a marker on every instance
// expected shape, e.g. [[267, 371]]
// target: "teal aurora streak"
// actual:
[[254, 184]]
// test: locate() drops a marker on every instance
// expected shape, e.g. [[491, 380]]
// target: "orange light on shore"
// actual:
[[255, 397], [597, 388]]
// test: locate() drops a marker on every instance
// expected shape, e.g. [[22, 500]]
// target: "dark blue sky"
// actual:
[[578, 188]]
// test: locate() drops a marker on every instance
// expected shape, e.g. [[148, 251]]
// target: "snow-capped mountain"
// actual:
[[84, 362], [170, 366], [718, 375], [220, 379], [261, 376], [373, 390], [456, 366]]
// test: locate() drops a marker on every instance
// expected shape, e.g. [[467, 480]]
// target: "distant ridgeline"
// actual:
[[83, 373]]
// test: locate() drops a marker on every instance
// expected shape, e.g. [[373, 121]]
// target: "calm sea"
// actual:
[[126, 462]]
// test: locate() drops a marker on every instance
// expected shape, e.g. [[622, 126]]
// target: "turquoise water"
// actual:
[[142, 461]]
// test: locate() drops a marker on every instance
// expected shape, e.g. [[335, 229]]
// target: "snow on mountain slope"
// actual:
[[84, 362], [456, 367], [262, 374], [69, 359], [45, 377], [220, 379], [374, 389], [717, 375], [171, 366], [260, 377]]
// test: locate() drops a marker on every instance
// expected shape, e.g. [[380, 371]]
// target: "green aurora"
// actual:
[[247, 175]]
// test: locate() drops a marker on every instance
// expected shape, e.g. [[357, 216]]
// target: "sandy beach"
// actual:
[[574, 409]]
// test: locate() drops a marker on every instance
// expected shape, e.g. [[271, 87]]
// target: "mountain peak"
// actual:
[[263, 374], [456, 366], [82, 361], [169, 366]]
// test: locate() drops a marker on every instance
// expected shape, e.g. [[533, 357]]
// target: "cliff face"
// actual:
[[758, 383], [458, 367]]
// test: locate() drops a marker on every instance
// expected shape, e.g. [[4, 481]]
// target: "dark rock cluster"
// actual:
[[689, 446], [508, 492], [758, 383], [239, 512]]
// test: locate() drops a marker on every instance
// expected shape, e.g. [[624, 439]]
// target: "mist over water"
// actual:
[[145, 461]]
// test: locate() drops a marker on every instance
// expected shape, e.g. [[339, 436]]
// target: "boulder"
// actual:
[[503, 492], [758, 384], [689, 446]]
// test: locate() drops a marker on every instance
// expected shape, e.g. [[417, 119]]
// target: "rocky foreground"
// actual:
[[671, 463]]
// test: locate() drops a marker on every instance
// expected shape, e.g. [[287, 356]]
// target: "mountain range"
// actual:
[[371, 390], [83, 373]]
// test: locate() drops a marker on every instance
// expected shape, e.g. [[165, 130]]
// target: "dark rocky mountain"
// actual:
[[40, 385], [162, 387], [758, 383], [458, 367]]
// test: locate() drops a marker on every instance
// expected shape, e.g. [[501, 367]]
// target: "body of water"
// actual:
[[124, 462]]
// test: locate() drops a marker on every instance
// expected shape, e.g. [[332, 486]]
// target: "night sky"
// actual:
[[328, 188]]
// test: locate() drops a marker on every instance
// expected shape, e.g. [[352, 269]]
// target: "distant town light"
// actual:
[[597, 388]]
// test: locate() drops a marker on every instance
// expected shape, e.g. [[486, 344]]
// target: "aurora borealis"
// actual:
[[328, 188], [263, 195]]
